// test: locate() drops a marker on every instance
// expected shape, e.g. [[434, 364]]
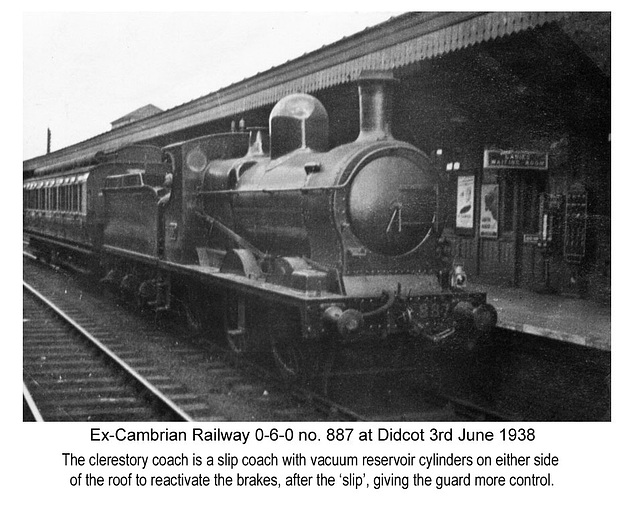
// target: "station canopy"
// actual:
[[400, 42]]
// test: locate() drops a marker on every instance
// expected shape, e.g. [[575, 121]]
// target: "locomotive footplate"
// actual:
[[434, 317]]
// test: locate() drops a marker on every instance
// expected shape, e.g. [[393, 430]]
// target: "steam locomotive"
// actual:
[[294, 247]]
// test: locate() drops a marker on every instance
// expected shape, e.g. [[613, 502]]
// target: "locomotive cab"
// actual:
[[191, 161]]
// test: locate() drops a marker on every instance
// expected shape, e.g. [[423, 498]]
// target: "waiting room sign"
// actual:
[[524, 159]]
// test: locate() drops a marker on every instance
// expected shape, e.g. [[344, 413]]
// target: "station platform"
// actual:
[[567, 319]]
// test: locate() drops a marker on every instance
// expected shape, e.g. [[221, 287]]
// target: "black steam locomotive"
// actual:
[[293, 246]]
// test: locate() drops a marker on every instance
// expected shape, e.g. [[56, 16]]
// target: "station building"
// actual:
[[514, 107]]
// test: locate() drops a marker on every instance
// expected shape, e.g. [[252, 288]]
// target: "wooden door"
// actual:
[[528, 260]]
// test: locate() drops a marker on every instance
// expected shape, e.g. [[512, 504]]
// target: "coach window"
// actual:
[[82, 206], [132, 180]]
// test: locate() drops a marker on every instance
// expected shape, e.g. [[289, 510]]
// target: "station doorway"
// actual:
[[509, 226]]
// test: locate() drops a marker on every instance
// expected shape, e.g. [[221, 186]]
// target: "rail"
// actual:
[[30, 405], [157, 396]]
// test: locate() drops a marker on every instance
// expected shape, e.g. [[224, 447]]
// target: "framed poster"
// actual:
[[464, 203], [489, 210]]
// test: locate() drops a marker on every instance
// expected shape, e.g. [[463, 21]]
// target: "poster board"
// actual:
[[465, 203], [489, 210]]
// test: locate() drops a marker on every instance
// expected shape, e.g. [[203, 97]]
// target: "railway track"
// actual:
[[208, 382], [71, 375], [30, 412]]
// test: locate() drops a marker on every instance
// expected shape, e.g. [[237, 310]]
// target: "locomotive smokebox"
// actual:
[[376, 104]]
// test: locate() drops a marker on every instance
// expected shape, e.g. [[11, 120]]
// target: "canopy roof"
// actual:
[[401, 41]]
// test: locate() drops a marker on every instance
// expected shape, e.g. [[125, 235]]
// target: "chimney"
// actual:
[[48, 140], [376, 104]]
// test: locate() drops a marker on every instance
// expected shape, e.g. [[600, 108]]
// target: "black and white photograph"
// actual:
[[251, 235], [411, 222]]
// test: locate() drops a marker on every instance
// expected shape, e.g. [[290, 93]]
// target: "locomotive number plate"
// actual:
[[434, 309]]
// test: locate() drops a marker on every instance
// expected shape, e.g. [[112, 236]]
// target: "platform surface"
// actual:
[[567, 319]]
